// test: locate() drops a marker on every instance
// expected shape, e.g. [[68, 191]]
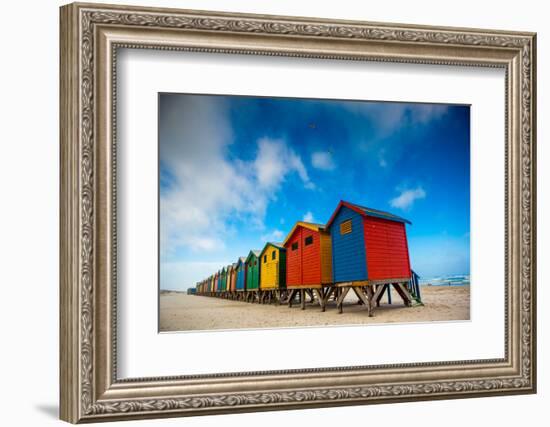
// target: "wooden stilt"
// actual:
[[327, 295], [360, 295], [403, 293], [340, 301], [291, 297], [303, 299], [284, 296], [372, 302], [408, 296], [379, 293], [376, 297], [320, 298]]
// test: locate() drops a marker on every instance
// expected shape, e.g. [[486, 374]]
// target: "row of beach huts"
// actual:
[[359, 249]]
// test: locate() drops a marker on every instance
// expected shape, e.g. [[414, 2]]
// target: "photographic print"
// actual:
[[284, 212]]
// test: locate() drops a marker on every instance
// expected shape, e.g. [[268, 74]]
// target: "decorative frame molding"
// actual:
[[90, 36]]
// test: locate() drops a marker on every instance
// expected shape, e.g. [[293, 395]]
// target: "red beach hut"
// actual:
[[368, 245], [309, 256], [308, 262], [369, 253]]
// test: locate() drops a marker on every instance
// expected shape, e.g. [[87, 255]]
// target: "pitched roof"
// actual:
[[363, 210], [274, 244], [309, 225], [255, 252]]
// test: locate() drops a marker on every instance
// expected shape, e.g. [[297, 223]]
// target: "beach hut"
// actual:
[[241, 277], [308, 261], [221, 276], [223, 279], [227, 277], [233, 279], [216, 281], [369, 253], [252, 265], [273, 271]]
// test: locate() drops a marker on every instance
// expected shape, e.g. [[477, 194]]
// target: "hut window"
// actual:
[[255, 262], [265, 259], [309, 240], [294, 246], [273, 254], [345, 227]]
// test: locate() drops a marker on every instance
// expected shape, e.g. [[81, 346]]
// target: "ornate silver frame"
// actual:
[[90, 36]]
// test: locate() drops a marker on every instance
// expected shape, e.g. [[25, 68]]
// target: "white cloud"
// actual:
[[389, 119], [406, 199], [207, 193], [195, 204], [323, 160], [393, 115], [274, 161], [425, 113], [382, 162], [274, 236], [308, 217]]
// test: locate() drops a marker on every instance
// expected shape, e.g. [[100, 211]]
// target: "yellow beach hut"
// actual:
[[273, 267]]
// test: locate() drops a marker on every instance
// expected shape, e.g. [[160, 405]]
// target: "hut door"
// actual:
[[294, 260], [311, 267]]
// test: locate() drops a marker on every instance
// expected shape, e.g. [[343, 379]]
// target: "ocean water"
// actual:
[[456, 280]]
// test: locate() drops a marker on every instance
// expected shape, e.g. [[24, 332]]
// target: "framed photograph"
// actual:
[[266, 212]]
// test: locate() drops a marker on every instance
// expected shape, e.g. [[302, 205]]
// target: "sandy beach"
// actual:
[[182, 312]]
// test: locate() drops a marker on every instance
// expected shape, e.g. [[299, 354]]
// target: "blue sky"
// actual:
[[236, 172]]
